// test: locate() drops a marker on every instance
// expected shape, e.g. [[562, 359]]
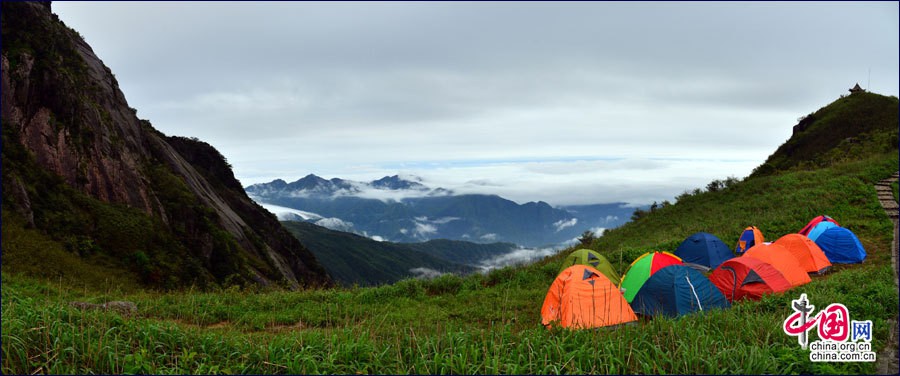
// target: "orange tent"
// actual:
[[582, 297], [810, 256], [781, 259]]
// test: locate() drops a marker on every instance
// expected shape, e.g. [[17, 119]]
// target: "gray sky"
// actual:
[[562, 102]]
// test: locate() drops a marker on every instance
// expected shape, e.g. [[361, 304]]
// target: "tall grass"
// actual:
[[479, 329]]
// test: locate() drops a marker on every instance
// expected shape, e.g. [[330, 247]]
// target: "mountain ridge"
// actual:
[[401, 210], [357, 260]]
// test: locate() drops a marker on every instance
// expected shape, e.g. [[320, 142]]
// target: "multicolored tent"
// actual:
[[841, 246], [677, 290], [748, 278], [582, 297], [703, 249], [642, 268], [750, 237], [819, 229], [783, 260], [814, 222], [810, 256], [593, 259]]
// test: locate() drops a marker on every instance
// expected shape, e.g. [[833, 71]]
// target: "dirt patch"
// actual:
[[277, 328], [219, 325]]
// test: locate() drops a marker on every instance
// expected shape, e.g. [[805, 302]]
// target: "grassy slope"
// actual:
[[481, 323], [845, 129], [352, 259]]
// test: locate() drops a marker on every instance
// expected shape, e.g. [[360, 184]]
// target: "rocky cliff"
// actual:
[[73, 148]]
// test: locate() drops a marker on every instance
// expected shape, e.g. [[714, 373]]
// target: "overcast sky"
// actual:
[[567, 103]]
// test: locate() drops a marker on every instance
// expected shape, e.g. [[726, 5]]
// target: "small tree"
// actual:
[[587, 238], [715, 186], [638, 214]]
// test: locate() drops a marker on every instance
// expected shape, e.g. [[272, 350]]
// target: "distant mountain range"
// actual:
[[405, 210]]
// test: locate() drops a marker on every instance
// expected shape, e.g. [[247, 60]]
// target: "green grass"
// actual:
[[405, 329], [477, 324], [777, 204], [844, 130]]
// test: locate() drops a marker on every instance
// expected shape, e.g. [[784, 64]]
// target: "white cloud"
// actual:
[[336, 224], [445, 220], [425, 273], [517, 257], [388, 195], [287, 214], [598, 232], [489, 237], [425, 229], [563, 224]]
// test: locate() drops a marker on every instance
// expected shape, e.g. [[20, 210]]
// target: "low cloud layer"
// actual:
[[289, 214], [517, 257], [425, 273]]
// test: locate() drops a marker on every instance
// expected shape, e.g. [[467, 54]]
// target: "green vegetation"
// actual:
[[847, 129], [355, 260], [475, 325]]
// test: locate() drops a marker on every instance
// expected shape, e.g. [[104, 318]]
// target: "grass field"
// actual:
[[480, 323]]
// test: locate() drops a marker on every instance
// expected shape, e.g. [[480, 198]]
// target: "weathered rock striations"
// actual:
[[64, 106]]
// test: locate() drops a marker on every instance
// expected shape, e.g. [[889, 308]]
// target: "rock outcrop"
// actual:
[[65, 109]]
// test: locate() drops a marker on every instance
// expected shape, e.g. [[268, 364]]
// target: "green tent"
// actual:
[[593, 259]]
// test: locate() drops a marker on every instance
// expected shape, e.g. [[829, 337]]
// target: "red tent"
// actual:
[[809, 226], [748, 278]]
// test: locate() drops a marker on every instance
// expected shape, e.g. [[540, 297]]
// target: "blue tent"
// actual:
[[819, 229], [750, 237], [704, 249], [677, 290], [841, 246]]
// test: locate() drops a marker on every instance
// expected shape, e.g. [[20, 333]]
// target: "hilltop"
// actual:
[[841, 131]]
